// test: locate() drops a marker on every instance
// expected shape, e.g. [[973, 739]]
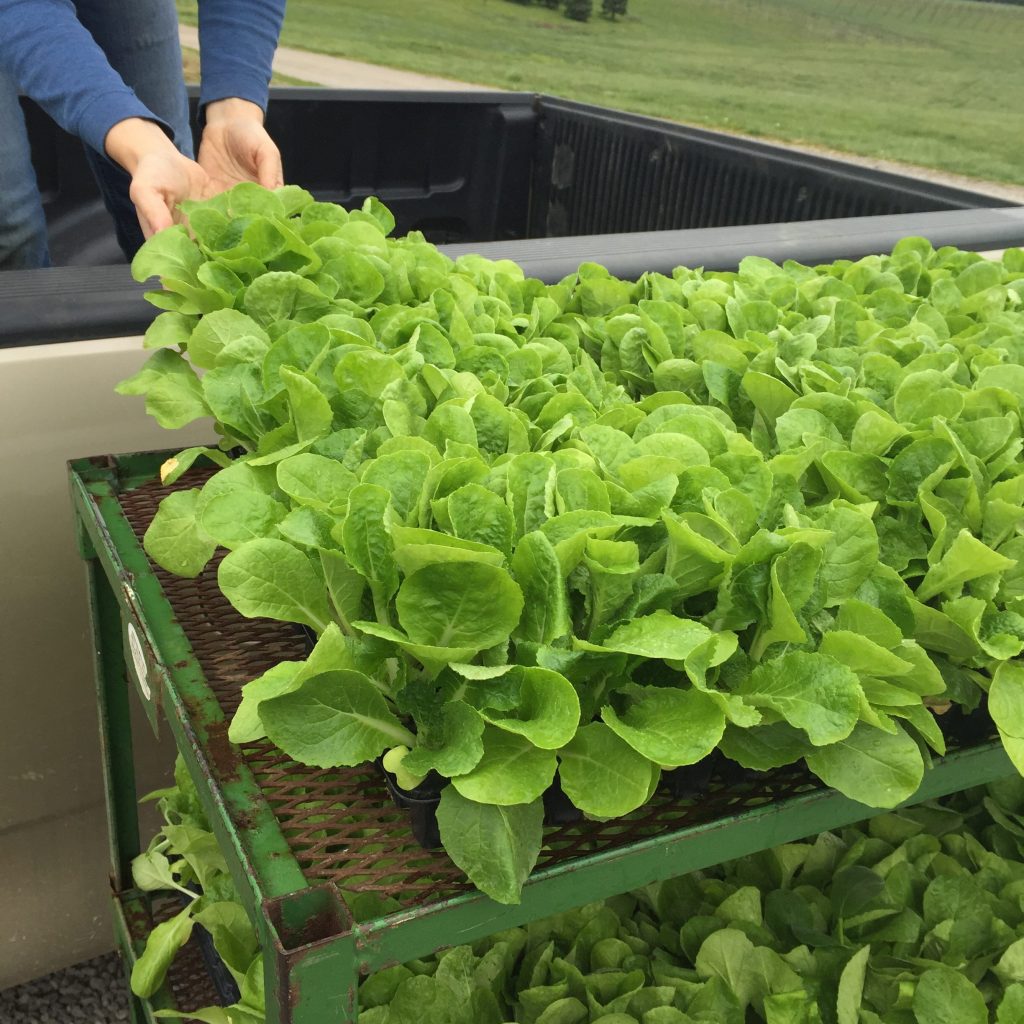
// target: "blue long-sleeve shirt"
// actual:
[[53, 59]]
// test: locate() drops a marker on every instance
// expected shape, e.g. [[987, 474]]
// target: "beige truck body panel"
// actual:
[[57, 402]]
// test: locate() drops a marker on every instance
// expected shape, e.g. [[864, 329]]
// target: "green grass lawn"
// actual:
[[190, 66], [933, 82]]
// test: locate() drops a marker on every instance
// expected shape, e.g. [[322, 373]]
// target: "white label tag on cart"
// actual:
[[139, 661]]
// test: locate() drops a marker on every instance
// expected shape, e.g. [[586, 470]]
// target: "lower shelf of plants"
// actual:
[[911, 917], [298, 838], [190, 985]]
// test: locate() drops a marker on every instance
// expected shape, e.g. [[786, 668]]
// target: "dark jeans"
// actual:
[[140, 39]]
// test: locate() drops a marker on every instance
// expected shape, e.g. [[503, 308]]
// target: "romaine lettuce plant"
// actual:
[[183, 859], [597, 529]]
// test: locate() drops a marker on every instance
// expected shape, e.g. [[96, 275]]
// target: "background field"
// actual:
[[932, 82], [190, 65]]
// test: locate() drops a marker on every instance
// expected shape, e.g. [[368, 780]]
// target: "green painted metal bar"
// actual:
[[264, 866], [260, 862], [414, 933], [259, 859], [325, 985], [323, 981], [309, 944], [115, 725]]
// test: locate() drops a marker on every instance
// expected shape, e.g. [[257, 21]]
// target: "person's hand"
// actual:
[[236, 147], [161, 177]]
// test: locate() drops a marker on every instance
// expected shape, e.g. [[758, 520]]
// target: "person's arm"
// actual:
[[237, 40], [51, 57]]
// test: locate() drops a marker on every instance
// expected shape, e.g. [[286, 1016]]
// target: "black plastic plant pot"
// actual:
[[421, 803], [729, 773], [690, 780], [308, 635], [223, 980], [966, 728], [558, 808]]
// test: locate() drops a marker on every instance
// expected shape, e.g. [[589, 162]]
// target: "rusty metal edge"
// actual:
[[313, 946], [263, 866]]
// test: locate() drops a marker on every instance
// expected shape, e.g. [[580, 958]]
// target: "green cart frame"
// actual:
[[289, 875]]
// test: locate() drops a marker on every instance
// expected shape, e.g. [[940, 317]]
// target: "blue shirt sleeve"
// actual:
[[51, 57], [237, 40]]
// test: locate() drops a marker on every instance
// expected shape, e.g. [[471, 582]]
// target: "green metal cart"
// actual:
[[295, 837]]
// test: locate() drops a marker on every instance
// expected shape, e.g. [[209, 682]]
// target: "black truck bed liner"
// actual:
[[548, 182]]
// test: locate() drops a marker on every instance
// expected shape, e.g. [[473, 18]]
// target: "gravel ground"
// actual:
[[91, 993]]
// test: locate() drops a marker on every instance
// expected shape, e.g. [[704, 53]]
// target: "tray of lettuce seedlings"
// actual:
[[596, 531], [912, 917]]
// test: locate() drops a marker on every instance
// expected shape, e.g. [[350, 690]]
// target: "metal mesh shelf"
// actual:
[[340, 823]]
